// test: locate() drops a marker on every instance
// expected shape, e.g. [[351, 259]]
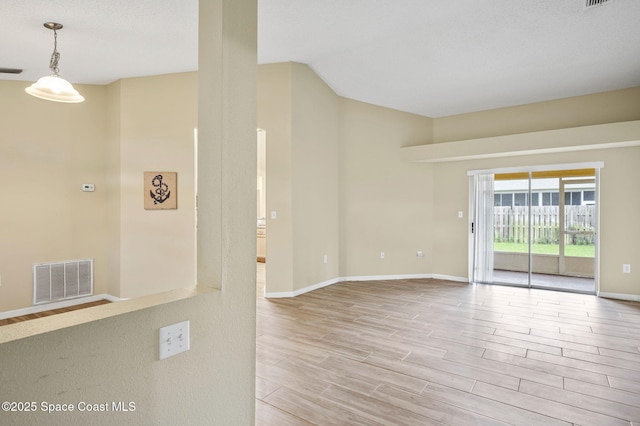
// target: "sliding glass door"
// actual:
[[511, 219], [536, 229]]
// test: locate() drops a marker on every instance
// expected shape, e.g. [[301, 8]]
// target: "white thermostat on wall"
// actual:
[[88, 187]]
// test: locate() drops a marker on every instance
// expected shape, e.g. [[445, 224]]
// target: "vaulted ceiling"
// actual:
[[429, 57]]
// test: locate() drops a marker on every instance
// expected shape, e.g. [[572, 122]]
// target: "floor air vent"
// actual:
[[592, 3], [62, 280]]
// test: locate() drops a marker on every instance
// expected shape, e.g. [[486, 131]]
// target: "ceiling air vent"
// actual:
[[10, 70], [593, 3]]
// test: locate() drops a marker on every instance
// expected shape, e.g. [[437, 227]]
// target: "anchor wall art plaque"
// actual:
[[160, 190]]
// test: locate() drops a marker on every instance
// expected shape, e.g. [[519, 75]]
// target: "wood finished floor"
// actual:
[[423, 352], [28, 317]]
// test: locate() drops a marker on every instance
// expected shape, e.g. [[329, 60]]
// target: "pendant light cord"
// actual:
[[55, 56]]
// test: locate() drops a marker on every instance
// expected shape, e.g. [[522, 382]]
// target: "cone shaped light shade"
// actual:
[[54, 88]]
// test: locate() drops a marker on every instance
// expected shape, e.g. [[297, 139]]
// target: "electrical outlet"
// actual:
[[174, 339], [420, 254], [326, 258], [274, 215], [626, 268], [460, 214], [381, 255]]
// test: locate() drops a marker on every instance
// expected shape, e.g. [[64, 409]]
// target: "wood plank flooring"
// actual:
[[27, 317], [430, 352]]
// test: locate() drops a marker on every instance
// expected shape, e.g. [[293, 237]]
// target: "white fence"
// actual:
[[511, 224]]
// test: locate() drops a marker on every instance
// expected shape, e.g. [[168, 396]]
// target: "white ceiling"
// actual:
[[429, 57]]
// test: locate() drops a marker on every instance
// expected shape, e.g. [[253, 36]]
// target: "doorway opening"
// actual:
[[261, 201], [536, 228]]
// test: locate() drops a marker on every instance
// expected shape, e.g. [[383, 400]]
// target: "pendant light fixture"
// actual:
[[53, 87]]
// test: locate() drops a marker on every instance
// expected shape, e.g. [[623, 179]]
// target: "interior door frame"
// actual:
[[530, 169]]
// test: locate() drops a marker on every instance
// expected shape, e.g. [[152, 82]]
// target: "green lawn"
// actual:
[[570, 250]]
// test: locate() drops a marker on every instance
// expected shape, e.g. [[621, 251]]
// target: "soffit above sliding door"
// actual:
[[546, 174], [523, 172]]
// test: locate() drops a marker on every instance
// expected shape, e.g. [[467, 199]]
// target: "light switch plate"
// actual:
[[174, 339]]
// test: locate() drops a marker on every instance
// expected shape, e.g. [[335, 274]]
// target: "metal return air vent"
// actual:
[[62, 280], [593, 3]]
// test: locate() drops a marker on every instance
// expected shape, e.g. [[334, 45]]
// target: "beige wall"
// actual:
[[47, 151], [116, 359], [112, 187], [386, 205], [275, 92], [398, 207], [617, 233], [600, 108], [300, 115], [157, 119], [122, 130], [333, 181], [315, 180], [261, 211]]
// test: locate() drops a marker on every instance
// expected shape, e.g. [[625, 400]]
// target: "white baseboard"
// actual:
[[385, 277], [57, 305], [283, 294], [620, 296], [451, 278]]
